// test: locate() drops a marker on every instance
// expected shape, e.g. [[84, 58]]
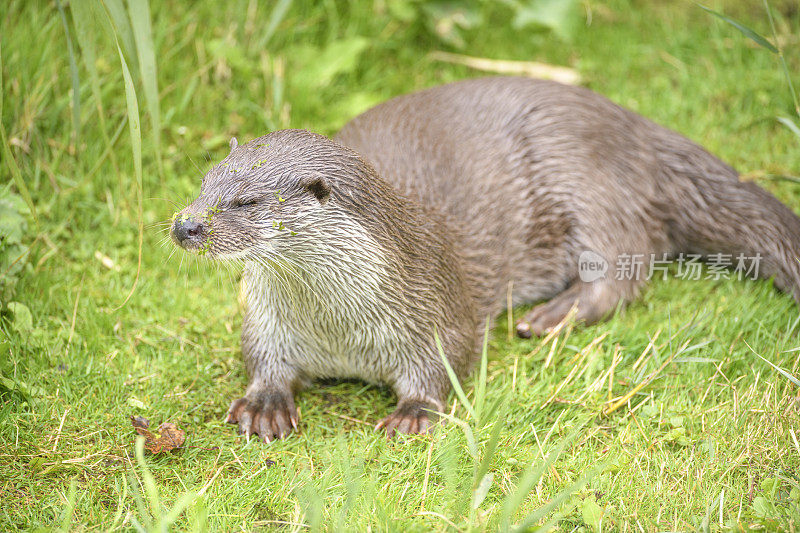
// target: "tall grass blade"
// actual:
[[278, 13], [136, 145], [705, 524], [171, 516], [482, 490], [76, 81], [491, 446], [529, 479], [313, 505], [157, 517], [144, 513], [462, 398], [145, 50], [353, 482], [762, 41], [747, 32], [789, 123], [122, 26], [120, 503], [84, 17], [472, 442], [783, 60], [69, 510], [480, 389], [784, 373], [559, 498], [8, 155], [150, 488]]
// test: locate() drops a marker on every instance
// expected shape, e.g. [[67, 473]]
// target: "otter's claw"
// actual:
[[410, 418], [270, 415]]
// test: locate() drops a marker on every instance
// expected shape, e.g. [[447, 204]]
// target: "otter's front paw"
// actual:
[[409, 417], [271, 415]]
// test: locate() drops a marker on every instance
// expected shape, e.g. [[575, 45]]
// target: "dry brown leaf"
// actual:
[[140, 422], [168, 438]]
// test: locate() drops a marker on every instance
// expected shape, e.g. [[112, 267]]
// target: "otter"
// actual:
[[359, 252]]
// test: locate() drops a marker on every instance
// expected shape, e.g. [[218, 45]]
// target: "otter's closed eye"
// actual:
[[241, 202]]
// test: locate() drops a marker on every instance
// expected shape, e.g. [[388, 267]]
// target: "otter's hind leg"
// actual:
[[594, 300], [616, 222]]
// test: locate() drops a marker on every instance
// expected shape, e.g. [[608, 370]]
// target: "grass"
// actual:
[[710, 442]]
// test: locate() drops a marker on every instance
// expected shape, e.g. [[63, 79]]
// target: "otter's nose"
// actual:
[[184, 230]]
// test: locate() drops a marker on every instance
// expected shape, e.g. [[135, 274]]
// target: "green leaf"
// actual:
[[13, 222], [763, 507], [134, 126], [20, 386], [136, 403], [677, 436], [447, 19], [339, 57], [23, 319], [770, 485], [69, 508], [559, 16], [747, 32], [149, 482], [591, 513], [676, 421]]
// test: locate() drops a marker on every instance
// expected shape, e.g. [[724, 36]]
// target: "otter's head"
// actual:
[[267, 196]]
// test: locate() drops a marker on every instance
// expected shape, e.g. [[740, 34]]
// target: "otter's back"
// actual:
[[450, 144], [513, 162]]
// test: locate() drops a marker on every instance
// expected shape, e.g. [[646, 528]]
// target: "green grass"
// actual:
[[711, 442]]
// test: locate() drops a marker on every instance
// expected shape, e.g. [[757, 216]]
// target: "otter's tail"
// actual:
[[713, 212]]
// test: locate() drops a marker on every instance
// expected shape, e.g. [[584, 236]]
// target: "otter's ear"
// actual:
[[318, 186]]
